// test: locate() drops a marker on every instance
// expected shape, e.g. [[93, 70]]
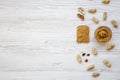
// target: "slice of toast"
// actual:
[[82, 34]]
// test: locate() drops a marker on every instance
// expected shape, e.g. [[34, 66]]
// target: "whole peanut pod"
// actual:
[[106, 1], [78, 58], [106, 63], [104, 16], [95, 20], [114, 23], [92, 10]]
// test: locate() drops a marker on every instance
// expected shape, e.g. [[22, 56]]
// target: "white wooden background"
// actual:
[[37, 40]]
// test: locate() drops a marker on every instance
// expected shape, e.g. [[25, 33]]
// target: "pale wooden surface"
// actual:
[[37, 40]]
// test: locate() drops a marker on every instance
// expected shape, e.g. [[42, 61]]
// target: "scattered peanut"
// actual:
[[80, 16], [78, 58], [92, 10], [95, 20], [104, 16], [90, 67], [106, 1], [110, 46], [81, 10], [94, 51], [95, 74], [114, 23], [106, 63]]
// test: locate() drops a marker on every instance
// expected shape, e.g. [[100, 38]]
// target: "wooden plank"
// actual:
[[37, 40]]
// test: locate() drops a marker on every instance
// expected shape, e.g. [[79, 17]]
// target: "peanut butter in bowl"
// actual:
[[103, 34]]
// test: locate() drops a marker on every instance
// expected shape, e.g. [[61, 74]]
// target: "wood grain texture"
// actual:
[[37, 40]]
